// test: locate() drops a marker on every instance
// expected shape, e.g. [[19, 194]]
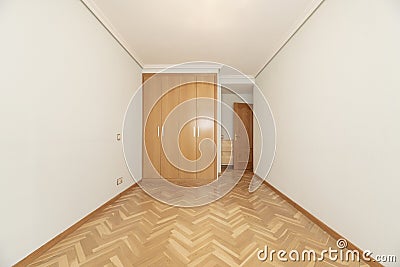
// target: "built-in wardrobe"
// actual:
[[179, 127]]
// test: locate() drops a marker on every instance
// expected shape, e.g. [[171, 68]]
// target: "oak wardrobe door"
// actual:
[[206, 127], [170, 124], [188, 126], [151, 124]]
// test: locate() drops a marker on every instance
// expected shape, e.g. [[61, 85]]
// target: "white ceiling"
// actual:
[[241, 33]]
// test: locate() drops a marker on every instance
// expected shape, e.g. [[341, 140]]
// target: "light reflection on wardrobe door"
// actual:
[[187, 136], [169, 132], [206, 107], [152, 126]]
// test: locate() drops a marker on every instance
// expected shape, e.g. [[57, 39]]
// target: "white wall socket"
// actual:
[[120, 180]]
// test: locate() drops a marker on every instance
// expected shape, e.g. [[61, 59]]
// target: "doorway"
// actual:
[[231, 94]]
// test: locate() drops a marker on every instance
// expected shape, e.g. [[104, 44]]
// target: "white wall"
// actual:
[[264, 135], [227, 115], [335, 94], [133, 137], [65, 84]]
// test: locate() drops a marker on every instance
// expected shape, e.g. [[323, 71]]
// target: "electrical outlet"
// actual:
[[120, 180], [118, 136]]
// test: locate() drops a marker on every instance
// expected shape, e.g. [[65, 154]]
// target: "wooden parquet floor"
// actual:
[[137, 230]]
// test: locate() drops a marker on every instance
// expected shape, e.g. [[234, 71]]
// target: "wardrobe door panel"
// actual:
[[206, 135], [187, 126], [152, 126], [170, 126]]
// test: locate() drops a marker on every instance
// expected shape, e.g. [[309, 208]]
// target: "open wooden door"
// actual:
[[243, 139]]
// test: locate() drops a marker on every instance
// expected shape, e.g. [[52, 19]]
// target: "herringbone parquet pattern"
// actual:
[[137, 230]]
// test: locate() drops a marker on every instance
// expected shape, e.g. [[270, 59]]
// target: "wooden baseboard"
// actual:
[[321, 224], [38, 252]]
